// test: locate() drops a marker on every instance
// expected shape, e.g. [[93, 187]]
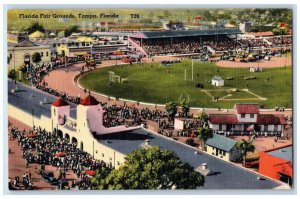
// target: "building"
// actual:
[[245, 26], [247, 118], [21, 53], [222, 147], [96, 50], [217, 81], [36, 34], [37, 108], [277, 164]]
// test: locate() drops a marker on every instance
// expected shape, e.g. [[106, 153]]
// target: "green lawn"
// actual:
[[160, 84]]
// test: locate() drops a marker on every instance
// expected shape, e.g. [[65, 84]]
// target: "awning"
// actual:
[[90, 172], [60, 154]]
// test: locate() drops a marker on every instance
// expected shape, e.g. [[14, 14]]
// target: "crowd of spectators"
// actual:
[[280, 41], [42, 148], [189, 45]]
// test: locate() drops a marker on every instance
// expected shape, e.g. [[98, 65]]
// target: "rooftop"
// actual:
[[221, 142], [285, 153], [217, 78], [60, 102], [247, 108], [223, 119], [25, 43], [185, 33], [89, 101], [32, 100], [126, 142]]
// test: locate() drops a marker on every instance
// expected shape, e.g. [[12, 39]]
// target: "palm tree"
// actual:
[[185, 107], [203, 134], [171, 108], [245, 147], [203, 119]]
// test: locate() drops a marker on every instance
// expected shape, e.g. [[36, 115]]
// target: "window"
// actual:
[[118, 163], [220, 127], [243, 115], [10, 55], [47, 53], [224, 153], [266, 128], [251, 115], [42, 54], [102, 154], [275, 127]]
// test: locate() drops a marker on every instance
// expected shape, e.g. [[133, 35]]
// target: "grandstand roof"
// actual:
[[184, 33]]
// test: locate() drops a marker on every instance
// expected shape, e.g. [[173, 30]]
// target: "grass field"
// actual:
[[161, 84]]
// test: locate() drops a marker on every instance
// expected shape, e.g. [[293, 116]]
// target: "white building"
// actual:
[[22, 52], [247, 119], [222, 147], [217, 81]]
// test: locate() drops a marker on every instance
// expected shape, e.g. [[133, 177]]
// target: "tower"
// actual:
[[60, 109]]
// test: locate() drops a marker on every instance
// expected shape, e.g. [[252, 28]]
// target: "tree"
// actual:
[[35, 27], [12, 74], [203, 134], [153, 168], [36, 57], [171, 108], [185, 107], [71, 30], [203, 119], [99, 178], [245, 147]]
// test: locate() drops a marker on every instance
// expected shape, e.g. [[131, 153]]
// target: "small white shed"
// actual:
[[217, 81]]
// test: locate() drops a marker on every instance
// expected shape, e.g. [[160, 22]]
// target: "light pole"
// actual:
[[192, 70]]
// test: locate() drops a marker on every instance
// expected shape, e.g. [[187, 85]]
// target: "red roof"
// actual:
[[89, 101], [247, 108], [261, 119], [223, 119], [283, 25], [60, 102], [261, 34], [271, 119]]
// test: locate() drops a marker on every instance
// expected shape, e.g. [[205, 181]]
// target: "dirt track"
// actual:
[[275, 62]]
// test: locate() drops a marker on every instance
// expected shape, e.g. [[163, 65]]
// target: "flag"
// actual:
[[250, 128]]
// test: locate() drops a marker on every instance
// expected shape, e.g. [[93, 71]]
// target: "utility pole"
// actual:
[[192, 70]]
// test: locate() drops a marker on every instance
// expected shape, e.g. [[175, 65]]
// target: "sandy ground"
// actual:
[[275, 62], [17, 165]]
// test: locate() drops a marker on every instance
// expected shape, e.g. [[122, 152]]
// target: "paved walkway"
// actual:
[[17, 167]]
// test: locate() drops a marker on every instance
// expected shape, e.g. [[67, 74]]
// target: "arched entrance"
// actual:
[[74, 140], [60, 134], [67, 137], [27, 59]]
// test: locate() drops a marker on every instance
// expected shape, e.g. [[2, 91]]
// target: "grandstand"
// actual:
[[153, 43], [183, 41]]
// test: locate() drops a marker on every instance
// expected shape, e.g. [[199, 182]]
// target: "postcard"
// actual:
[[150, 99]]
